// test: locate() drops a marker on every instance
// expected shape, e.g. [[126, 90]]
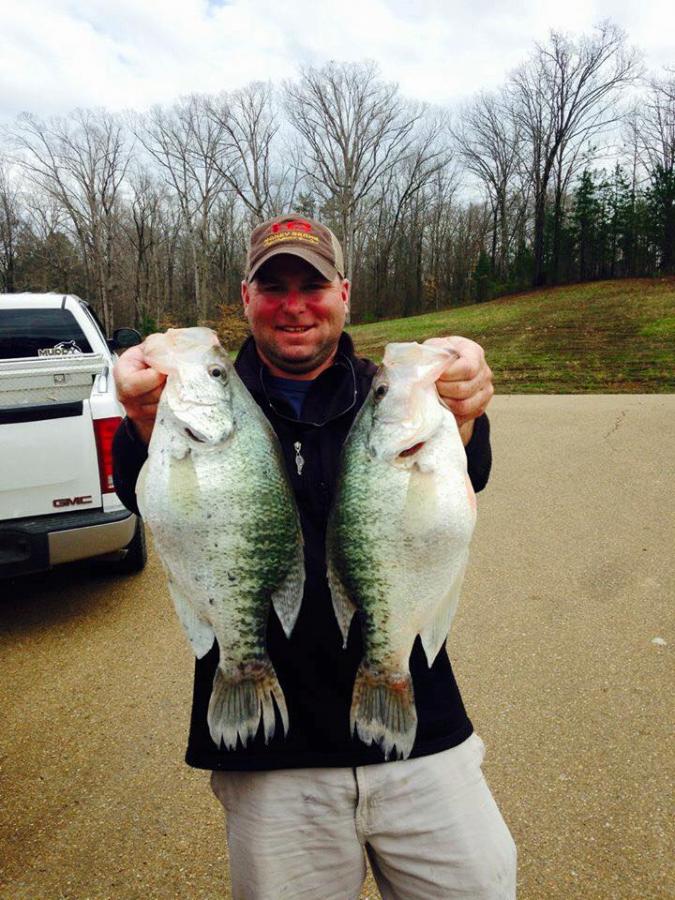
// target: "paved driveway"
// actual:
[[571, 581]]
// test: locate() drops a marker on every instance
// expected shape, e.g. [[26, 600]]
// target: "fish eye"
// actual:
[[380, 391], [217, 372]]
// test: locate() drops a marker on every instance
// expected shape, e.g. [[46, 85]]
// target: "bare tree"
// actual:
[[441, 222], [355, 128], [80, 162], [470, 228], [189, 144], [249, 125], [10, 224], [563, 95], [655, 137], [145, 228], [654, 124], [395, 209], [231, 231], [56, 258], [489, 142]]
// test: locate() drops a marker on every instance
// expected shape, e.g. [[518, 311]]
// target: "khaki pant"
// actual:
[[430, 827]]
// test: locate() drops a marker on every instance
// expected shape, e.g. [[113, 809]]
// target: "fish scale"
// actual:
[[225, 526], [398, 537]]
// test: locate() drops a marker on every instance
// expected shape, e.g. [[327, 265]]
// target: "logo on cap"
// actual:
[[293, 225], [294, 230]]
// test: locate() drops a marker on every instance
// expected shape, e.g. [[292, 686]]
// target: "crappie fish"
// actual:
[[398, 536], [215, 494]]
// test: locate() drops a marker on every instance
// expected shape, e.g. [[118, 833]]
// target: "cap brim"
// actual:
[[317, 262]]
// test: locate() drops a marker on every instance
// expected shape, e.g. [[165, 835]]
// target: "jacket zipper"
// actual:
[[299, 461]]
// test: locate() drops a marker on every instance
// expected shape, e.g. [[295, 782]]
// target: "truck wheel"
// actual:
[[136, 555]]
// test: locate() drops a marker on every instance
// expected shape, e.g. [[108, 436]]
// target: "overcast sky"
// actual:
[[59, 54]]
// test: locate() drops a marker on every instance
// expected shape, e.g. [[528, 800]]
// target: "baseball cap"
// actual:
[[299, 236]]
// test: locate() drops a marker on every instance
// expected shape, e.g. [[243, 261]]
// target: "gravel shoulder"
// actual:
[[570, 583]]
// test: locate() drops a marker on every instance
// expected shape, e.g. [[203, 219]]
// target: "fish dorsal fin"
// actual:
[[287, 598], [199, 633], [434, 634]]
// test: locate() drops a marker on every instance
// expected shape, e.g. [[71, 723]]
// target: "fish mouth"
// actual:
[[194, 436], [411, 451], [205, 440]]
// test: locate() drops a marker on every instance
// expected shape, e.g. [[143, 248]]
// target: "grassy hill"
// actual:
[[603, 337]]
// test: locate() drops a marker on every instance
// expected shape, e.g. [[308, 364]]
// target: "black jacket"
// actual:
[[316, 673]]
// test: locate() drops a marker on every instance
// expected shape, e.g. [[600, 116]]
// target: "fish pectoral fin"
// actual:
[[342, 603], [434, 634], [287, 598], [199, 633]]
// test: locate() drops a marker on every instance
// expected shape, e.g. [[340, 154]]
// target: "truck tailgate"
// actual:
[[49, 460]]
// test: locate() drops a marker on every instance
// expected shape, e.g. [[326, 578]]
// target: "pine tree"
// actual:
[[660, 198], [482, 279], [585, 217]]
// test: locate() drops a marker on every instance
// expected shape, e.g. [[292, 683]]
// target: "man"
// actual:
[[302, 809]]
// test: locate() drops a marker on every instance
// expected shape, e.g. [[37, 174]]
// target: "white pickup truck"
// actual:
[[58, 415]]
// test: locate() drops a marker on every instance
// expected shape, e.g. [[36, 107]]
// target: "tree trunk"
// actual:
[[539, 277]]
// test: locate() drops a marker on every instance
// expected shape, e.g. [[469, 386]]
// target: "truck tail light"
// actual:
[[105, 429]]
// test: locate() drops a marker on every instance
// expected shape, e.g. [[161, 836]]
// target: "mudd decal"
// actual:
[[64, 348]]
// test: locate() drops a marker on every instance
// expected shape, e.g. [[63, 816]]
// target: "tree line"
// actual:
[[566, 173]]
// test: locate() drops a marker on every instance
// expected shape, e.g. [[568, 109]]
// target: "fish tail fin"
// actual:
[[383, 710], [240, 699]]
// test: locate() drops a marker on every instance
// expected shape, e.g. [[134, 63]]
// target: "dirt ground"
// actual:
[[562, 648]]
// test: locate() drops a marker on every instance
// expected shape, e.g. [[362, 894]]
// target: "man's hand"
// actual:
[[139, 388], [466, 385]]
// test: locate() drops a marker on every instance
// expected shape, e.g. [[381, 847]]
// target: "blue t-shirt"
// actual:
[[292, 390]]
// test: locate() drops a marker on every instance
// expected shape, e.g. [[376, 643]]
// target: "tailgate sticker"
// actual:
[[64, 348]]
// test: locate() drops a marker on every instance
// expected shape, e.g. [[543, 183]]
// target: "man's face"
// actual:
[[296, 316]]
